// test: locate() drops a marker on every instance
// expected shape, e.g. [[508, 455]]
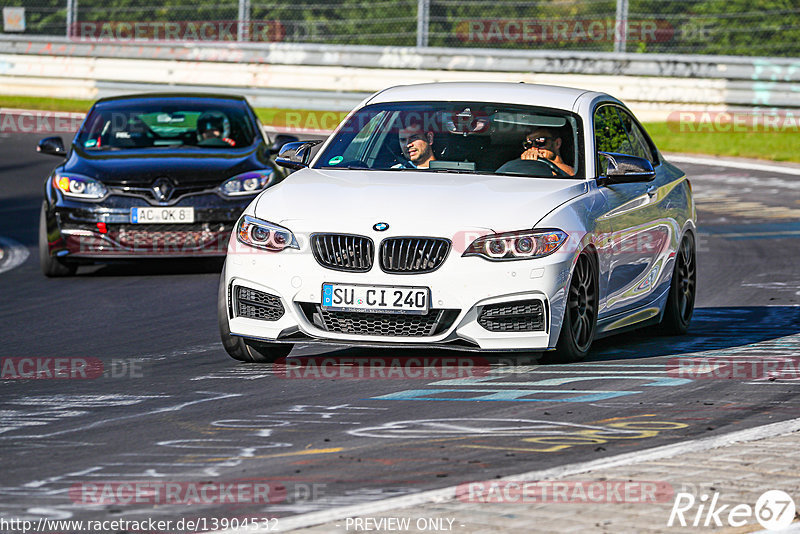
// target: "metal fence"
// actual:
[[730, 27]]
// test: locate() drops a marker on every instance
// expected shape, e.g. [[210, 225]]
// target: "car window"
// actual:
[[457, 137], [639, 145], [609, 133], [163, 124]]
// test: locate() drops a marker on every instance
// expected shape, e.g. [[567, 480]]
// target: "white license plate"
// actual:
[[381, 299], [162, 215]]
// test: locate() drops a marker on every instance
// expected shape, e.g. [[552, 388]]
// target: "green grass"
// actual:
[[772, 146], [45, 103], [783, 146]]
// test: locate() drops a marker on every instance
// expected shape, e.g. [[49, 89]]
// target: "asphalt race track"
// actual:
[[171, 406]]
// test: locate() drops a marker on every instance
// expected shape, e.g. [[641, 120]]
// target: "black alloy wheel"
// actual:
[[580, 315], [680, 302]]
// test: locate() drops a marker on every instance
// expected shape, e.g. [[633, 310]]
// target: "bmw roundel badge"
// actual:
[[381, 226]]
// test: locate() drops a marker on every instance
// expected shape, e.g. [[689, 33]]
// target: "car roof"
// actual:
[[162, 96], [551, 96]]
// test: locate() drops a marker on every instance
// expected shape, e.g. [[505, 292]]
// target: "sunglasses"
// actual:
[[538, 142]]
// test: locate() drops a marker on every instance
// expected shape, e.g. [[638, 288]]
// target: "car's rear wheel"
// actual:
[[680, 302], [52, 267], [580, 315], [236, 347]]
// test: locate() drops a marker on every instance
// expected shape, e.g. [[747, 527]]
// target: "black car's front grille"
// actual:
[[155, 236], [258, 305], [522, 316], [380, 324], [411, 255], [343, 252]]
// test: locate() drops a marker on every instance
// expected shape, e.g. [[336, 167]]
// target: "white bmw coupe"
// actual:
[[472, 216]]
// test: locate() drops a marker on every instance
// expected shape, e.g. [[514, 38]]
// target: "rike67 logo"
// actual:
[[774, 510]]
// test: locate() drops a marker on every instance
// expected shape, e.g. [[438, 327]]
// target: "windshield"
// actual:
[[211, 124], [458, 137]]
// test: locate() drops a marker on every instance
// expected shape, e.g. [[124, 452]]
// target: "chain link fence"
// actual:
[[730, 27]]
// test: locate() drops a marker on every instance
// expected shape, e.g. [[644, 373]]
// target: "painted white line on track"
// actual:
[[13, 254], [448, 494], [794, 171]]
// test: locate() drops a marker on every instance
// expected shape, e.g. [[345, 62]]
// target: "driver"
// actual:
[[545, 143], [211, 130], [417, 145]]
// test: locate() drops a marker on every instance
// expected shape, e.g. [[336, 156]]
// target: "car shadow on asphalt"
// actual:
[[726, 329], [712, 329]]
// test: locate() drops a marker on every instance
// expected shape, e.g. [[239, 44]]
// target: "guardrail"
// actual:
[[335, 77]]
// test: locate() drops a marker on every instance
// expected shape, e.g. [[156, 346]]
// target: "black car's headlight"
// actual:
[[265, 235], [78, 186], [525, 244], [247, 183]]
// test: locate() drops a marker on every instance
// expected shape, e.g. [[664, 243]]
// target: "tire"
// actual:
[[52, 267], [236, 347], [580, 314], [680, 302]]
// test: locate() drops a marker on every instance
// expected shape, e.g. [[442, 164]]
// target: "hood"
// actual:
[[142, 166], [420, 203]]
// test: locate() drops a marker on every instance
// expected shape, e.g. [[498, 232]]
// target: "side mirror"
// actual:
[[280, 140], [625, 169], [53, 146], [296, 155]]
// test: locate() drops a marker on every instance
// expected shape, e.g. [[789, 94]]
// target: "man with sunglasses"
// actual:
[[546, 144]]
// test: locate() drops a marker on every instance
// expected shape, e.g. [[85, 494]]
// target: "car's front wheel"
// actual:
[[680, 302], [580, 315], [236, 347], [51, 266]]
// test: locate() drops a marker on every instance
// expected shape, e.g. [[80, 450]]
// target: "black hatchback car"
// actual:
[[153, 175]]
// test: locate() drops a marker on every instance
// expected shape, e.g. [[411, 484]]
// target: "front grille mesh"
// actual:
[[523, 316], [258, 305], [155, 236], [413, 254], [380, 324], [343, 252]]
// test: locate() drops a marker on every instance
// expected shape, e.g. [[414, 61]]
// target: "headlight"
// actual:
[[247, 183], [520, 245], [265, 235], [77, 186]]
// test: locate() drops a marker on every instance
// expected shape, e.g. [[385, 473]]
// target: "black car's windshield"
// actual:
[[167, 123], [456, 137]]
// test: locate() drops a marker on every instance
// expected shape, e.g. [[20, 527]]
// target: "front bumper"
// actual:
[[462, 291], [84, 230]]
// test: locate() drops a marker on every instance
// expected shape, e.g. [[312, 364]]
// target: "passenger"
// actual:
[[545, 143], [211, 129], [417, 145]]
